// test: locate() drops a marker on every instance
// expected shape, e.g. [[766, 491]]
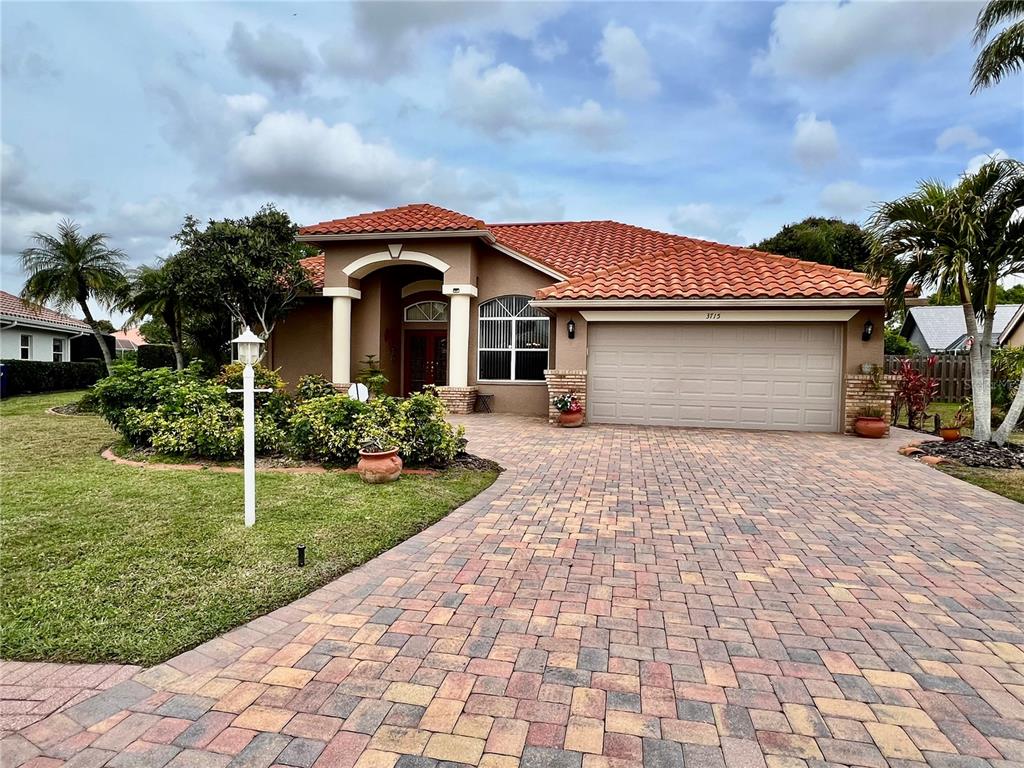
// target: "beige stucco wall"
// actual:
[[456, 252], [1016, 339], [301, 343]]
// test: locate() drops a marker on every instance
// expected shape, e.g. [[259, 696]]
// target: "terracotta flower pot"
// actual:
[[870, 426], [570, 418], [383, 467], [949, 434]]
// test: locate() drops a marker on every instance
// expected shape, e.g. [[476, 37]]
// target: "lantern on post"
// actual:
[[248, 346]]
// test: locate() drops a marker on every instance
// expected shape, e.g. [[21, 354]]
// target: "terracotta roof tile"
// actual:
[[13, 306], [606, 259], [697, 269], [420, 217]]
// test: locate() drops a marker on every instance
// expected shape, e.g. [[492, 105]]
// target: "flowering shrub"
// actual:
[[567, 403]]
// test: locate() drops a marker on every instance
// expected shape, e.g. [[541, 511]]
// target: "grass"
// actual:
[[947, 412], [1005, 482], [106, 563]]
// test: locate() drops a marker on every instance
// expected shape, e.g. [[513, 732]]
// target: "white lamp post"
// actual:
[[249, 352]]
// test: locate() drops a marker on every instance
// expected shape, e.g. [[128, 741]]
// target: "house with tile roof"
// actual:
[[33, 332], [943, 328], [646, 327]]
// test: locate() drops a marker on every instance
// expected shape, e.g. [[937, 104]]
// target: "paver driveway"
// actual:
[[623, 597]]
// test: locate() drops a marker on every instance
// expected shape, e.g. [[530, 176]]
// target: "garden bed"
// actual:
[[974, 453]]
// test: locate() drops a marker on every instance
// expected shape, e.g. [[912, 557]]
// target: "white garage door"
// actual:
[[736, 375]]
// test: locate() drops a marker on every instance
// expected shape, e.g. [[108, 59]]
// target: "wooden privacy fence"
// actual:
[[952, 369]]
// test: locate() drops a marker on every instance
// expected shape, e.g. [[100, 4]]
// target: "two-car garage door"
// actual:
[[766, 375]]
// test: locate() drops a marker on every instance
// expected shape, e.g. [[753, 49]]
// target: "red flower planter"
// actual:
[[571, 418]]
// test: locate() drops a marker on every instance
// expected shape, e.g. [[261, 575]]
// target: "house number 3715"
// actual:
[[713, 316]]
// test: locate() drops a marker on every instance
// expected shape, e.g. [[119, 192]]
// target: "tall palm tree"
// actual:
[[69, 268], [152, 291], [1004, 53], [963, 239]]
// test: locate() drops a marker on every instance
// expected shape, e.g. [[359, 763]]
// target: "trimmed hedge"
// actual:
[[26, 376], [155, 356]]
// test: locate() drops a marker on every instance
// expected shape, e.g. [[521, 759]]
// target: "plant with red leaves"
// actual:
[[914, 391]]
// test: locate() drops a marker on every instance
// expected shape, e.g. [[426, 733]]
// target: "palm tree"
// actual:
[[69, 269], [1004, 53], [962, 239], [152, 291]]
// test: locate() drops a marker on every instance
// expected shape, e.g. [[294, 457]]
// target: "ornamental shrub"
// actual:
[[130, 386], [429, 439], [155, 356], [313, 386], [324, 429]]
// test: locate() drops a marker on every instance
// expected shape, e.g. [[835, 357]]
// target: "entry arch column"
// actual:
[[341, 334]]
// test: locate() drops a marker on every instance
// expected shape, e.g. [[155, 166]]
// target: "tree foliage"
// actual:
[[69, 268], [248, 267], [154, 292], [825, 241], [960, 239], [1003, 54], [896, 344]]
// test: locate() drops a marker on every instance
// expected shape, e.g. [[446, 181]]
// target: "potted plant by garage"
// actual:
[[570, 410], [951, 431], [870, 422], [379, 461]]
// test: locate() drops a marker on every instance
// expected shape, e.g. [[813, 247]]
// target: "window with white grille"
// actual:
[[513, 342], [26, 346], [58, 350], [427, 312]]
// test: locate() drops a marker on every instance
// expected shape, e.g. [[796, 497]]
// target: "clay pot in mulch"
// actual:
[[571, 419], [870, 426], [949, 434], [383, 467]]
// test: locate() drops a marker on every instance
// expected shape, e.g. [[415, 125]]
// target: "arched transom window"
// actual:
[[427, 312], [513, 340]]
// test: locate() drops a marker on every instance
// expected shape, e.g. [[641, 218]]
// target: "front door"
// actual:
[[426, 359]]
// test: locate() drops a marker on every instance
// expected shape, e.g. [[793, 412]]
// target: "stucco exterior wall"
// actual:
[[1016, 339], [859, 351], [42, 343], [456, 252], [301, 343]]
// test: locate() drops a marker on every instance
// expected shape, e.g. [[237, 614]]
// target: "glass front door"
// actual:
[[426, 359]]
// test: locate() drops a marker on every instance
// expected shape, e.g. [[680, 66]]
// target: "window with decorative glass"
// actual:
[[513, 342], [427, 312]]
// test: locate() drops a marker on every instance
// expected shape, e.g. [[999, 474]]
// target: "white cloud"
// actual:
[[975, 163], [293, 154], [20, 192], [822, 39], [815, 142], [549, 49], [247, 104], [628, 63], [960, 135], [847, 198], [500, 100], [273, 55], [385, 39], [706, 222]]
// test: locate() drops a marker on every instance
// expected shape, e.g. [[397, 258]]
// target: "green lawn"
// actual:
[[948, 412], [1005, 482], [101, 562]]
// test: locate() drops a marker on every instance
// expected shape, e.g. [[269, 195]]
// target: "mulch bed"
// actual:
[[70, 409], [974, 453]]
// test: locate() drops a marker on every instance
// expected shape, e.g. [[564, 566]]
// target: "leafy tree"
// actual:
[[1011, 295], [248, 267], [962, 238], [153, 292], [154, 331], [105, 326], [1003, 54], [69, 268], [825, 241], [896, 344]]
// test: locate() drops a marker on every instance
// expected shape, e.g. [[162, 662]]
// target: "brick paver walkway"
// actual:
[[622, 597]]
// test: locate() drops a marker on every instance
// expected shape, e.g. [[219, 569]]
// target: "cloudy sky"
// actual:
[[722, 120]]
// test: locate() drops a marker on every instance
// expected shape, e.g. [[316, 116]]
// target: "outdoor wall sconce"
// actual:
[[570, 328], [869, 329]]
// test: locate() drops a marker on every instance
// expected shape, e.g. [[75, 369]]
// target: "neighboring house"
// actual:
[[647, 327], [33, 332], [942, 329], [1013, 334], [128, 340]]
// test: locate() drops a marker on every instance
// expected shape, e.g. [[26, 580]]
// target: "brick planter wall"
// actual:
[[564, 382], [861, 391], [458, 399]]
